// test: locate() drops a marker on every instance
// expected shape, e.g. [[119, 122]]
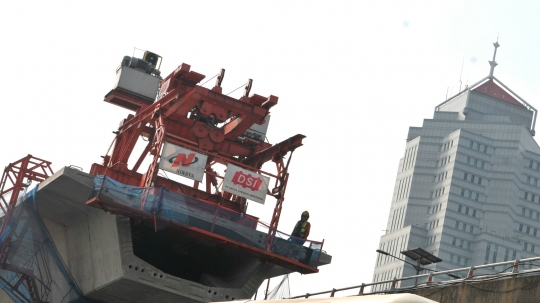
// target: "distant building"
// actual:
[[467, 188]]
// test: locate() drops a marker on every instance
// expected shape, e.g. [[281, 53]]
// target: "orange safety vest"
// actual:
[[302, 230]]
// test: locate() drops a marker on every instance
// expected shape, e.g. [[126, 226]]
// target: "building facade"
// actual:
[[467, 188]]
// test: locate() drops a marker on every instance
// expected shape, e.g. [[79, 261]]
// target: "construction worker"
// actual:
[[301, 229]]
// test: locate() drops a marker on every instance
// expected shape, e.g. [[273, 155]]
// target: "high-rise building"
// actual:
[[467, 188]]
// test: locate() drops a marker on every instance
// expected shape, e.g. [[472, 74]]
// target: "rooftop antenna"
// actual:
[[493, 63], [460, 74], [447, 92]]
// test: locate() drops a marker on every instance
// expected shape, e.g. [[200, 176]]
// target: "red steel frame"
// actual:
[[17, 174], [14, 180], [171, 119]]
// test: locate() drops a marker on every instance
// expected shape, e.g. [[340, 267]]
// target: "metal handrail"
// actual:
[[470, 274]]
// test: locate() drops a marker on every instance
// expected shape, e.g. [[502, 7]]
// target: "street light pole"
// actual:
[[416, 266]]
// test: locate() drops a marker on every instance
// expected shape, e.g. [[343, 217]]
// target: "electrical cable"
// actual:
[[209, 79], [235, 89]]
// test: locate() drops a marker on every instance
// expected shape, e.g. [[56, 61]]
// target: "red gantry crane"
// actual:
[[204, 121]]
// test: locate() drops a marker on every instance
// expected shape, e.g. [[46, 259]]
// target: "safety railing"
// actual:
[[391, 286], [182, 209]]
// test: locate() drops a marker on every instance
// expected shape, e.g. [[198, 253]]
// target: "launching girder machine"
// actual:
[[205, 121]]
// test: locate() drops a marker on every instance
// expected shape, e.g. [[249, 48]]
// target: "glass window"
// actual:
[[459, 208], [534, 232], [520, 227], [468, 245], [525, 245], [466, 262], [445, 175], [449, 157], [526, 195], [480, 180], [475, 162], [472, 178], [468, 160], [469, 195], [428, 209], [530, 163], [451, 259], [488, 248], [537, 165], [460, 243], [533, 197], [506, 254], [476, 196], [535, 182], [537, 216], [528, 180], [466, 210], [528, 229], [454, 241], [532, 248], [458, 260], [477, 146], [485, 149], [514, 255], [470, 144], [523, 211], [464, 227], [474, 213], [457, 224], [471, 229], [452, 143], [530, 213], [465, 175], [482, 165]]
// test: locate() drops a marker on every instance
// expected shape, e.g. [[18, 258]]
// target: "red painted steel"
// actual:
[[15, 179], [206, 121], [203, 120]]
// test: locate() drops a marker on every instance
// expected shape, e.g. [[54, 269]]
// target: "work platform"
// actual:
[[169, 251]]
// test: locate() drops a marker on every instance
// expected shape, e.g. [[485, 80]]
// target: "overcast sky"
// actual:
[[350, 75]]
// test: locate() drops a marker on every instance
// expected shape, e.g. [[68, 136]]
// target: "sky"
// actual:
[[351, 76]]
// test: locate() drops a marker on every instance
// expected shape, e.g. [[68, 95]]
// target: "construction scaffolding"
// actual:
[[32, 270]]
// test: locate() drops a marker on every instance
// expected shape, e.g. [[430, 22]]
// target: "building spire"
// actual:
[[493, 63]]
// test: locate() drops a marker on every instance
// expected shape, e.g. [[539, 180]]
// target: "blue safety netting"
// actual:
[[177, 208], [31, 268]]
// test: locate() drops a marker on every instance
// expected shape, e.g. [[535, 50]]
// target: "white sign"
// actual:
[[258, 132], [183, 162], [245, 183]]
